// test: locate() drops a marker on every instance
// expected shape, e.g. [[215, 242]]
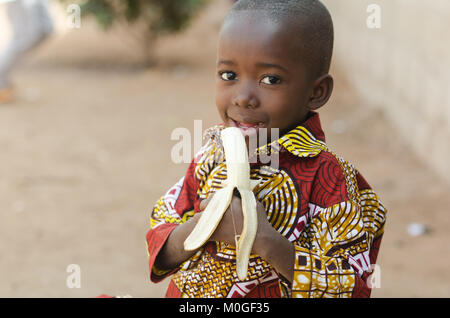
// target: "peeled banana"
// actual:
[[238, 177]]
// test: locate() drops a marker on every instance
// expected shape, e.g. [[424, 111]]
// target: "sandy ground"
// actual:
[[85, 153]]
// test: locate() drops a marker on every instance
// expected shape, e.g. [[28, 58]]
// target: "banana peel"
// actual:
[[238, 177]]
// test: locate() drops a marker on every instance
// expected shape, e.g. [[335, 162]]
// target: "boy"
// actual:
[[319, 223]]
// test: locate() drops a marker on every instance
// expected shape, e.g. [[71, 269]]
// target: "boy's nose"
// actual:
[[246, 99]]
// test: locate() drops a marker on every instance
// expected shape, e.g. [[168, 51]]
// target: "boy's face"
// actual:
[[262, 77]]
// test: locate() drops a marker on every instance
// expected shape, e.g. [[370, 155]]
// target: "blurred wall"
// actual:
[[402, 66]]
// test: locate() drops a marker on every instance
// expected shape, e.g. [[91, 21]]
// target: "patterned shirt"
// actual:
[[315, 199]]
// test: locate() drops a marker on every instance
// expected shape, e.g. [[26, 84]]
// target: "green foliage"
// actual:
[[161, 16], [143, 20]]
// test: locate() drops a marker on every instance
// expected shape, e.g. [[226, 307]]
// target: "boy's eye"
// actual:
[[271, 80], [228, 76]]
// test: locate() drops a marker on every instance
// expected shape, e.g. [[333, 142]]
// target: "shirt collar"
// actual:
[[305, 140]]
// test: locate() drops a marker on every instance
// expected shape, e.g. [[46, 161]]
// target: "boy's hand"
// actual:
[[233, 219], [269, 244], [231, 222]]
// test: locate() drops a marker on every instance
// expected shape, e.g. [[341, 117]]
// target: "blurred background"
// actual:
[[87, 116]]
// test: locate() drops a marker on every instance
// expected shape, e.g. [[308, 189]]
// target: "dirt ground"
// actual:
[[85, 153]]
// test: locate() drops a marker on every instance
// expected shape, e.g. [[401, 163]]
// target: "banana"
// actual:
[[238, 176]]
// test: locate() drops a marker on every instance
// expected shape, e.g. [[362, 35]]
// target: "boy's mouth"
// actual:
[[247, 128]]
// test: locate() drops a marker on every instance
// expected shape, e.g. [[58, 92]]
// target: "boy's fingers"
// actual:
[[259, 204], [205, 202]]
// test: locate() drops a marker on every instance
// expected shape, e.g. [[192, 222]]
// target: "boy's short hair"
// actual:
[[311, 19]]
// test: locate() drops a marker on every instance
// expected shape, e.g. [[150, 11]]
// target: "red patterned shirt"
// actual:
[[317, 200]]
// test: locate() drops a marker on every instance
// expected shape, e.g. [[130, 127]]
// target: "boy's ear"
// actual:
[[322, 89]]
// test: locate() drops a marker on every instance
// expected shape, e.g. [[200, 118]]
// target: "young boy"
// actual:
[[319, 223]]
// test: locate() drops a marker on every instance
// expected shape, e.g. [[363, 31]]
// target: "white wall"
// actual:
[[402, 67]]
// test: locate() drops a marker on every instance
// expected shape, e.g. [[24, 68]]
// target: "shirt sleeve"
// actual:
[[174, 208], [335, 254]]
